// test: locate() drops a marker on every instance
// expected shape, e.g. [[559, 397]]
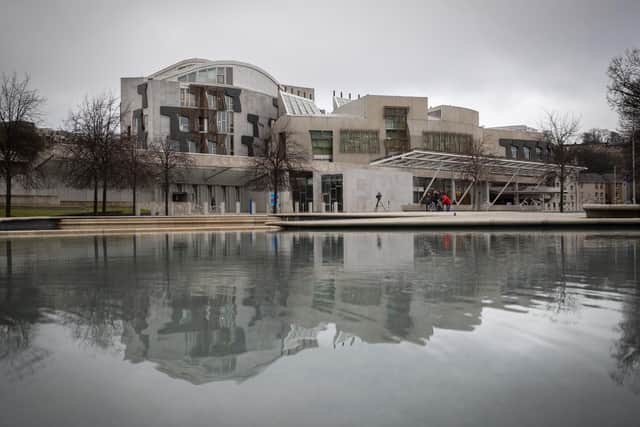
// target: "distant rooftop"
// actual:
[[299, 106]]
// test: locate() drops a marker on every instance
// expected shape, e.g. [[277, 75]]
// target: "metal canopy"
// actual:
[[419, 159]]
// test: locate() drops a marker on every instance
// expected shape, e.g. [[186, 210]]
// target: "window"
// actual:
[[228, 102], [202, 124], [526, 153], [514, 152], [211, 147], [322, 144], [135, 124], [183, 123], [187, 99], [359, 141], [145, 122], [395, 117], [212, 102], [220, 75], [192, 147], [231, 145], [225, 121], [539, 153], [447, 142]]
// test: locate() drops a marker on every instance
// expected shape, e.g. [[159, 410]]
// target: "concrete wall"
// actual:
[[462, 115], [492, 138], [362, 185]]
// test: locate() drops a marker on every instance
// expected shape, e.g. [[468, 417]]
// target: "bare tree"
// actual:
[[168, 160], [136, 166], [20, 144], [276, 160], [624, 83], [475, 166], [624, 96], [92, 156], [560, 130]]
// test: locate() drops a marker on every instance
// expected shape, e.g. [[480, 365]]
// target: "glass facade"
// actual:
[[302, 190], [332, 192], [457, 143], [396, 130], [359, 141], [209, 75], [322, 144]]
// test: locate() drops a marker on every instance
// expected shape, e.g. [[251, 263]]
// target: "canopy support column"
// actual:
[[503, 188], [435, 175]]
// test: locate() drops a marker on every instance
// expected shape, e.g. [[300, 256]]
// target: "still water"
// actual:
[[321, 329]]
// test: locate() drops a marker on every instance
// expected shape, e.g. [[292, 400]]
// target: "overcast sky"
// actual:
[[509, 59]]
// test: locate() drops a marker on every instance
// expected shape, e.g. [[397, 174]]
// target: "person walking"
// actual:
[[378, 200], [428, 201], [446, 201]]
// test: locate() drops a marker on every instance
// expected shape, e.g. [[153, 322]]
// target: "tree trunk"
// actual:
[[95, 195], [562, 187], [7, 200], [166, 195], [104, 196], [134, 195]]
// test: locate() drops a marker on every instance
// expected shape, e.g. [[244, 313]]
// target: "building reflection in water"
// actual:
[[217, 306]]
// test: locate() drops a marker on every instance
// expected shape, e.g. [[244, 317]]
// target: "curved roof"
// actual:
[[193, 64]]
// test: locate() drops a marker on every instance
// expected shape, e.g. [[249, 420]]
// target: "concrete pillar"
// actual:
[[310, 206], [221, 208], [453, 190], [334, 207], [252, 207], [296, 207], [322, 207], [516, 197], [237, 206]]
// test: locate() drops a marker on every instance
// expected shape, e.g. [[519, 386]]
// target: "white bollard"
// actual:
[[221, 208], [237, 206]]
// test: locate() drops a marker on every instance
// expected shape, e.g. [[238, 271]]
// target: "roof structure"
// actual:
[[339, 102], [419, 159], [298, 106]]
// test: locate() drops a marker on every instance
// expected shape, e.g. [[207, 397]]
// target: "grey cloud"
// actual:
[[508, 59]]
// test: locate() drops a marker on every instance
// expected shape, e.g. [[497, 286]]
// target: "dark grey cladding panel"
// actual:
[[253, 119], [142, 90], [248, 141], [235, 94], [531, 144], [174, 125], [229, 76], [140, 131]]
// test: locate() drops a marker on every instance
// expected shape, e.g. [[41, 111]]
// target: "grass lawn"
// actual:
[[59, 211]]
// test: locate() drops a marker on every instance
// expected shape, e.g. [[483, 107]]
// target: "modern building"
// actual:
[[222, 112]]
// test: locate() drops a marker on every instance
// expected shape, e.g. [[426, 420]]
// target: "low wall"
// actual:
[[612, 211]]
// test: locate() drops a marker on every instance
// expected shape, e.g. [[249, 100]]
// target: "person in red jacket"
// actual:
[[446, 201]]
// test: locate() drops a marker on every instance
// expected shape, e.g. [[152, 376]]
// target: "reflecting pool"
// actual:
[[321, 329]]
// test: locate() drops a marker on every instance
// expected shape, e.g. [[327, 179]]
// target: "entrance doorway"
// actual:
[[302, 190], [332, 192]]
